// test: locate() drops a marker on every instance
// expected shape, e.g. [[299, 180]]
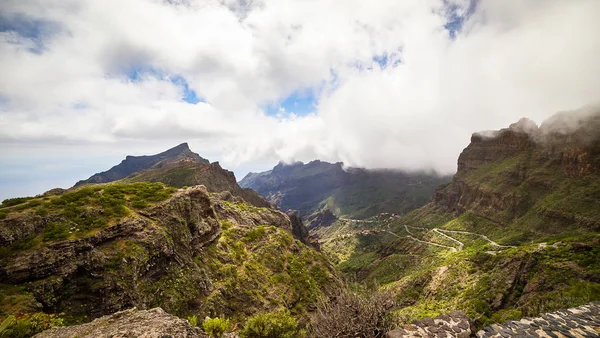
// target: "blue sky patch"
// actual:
[[137, 73], [387, 60], [189, 95], [30, 28], [455, 19], [299, 103]]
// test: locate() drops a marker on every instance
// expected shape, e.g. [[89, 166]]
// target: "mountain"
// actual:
[[132, 164], [97, 249], [320, 190], [536, 180], [177, 167], [515, 233]]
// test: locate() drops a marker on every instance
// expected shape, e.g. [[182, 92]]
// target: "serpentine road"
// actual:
[[441, 232], [422, 241]]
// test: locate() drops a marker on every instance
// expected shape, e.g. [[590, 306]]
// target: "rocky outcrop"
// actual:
[[132, 164], [581, 321], [115, 267], [299, 231], [18, 226], [145, 259], [452, 325], [154, 323], [322, 218]]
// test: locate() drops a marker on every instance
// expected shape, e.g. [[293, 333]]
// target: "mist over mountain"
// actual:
[[320, 189]]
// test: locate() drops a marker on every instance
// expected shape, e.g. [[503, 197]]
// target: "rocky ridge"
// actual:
[[132, 164], [177, 167], [154, 323]]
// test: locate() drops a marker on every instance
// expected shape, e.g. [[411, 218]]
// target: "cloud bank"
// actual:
[[396, 84]]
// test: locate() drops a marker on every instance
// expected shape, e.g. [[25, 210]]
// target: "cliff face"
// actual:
[[327, 189], [546, 174], [187, 254]]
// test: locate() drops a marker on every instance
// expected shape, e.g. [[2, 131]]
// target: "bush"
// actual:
[[9, 202], [255, 233], [215, 327], [193, 320], [278, 324], [28, 325], [56, 231], [349, 314]]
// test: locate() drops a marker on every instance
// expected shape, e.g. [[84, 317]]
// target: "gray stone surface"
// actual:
[[154, 323], [452, 325], [578, 322]]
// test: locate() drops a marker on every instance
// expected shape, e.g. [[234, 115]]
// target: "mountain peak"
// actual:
[[182, 146], [132, 164]]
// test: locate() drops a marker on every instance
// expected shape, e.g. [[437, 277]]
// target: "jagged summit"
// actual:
[[132, 164]]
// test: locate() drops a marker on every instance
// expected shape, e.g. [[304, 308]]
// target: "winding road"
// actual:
[[480, 235], [453, 249], [441, 232], [460, 244]]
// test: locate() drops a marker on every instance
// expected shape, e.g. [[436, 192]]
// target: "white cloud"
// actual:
[[511, 59]]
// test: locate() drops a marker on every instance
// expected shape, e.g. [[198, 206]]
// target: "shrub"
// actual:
[[9, 202], [193, 320], [278, 324], [349, 314], [56, 231], [215, 327], [255, 233], [28, 325]]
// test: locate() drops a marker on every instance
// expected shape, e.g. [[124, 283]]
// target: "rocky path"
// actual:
[[581, 321]]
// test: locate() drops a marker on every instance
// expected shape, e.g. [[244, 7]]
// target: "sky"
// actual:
[[374, 84]]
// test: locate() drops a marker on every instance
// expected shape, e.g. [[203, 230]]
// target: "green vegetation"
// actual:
[[261, 267], [28, 325], [216, 327], [277, 324], [76, 213], [193, 320], [9, 202], [178, 175]]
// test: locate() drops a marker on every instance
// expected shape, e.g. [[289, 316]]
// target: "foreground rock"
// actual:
[[455, 324], [154, 323], [581, 321], [189, 254]]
